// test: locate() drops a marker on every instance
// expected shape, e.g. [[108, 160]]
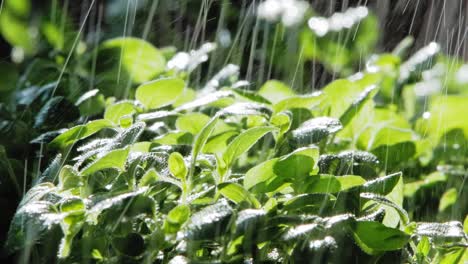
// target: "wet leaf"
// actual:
[[383, 185], [118, 110], [243, 143], [192, 122], [304, 101], [209, 222], [316, 129], [79, 132], [272, 174], [176, 218], [449, 230], [313, 203], [207, 100], [114, 159], [159, 93], [375, 238], [138, 59], [275, 91], [358, 104], [237, 194], [177, 165]]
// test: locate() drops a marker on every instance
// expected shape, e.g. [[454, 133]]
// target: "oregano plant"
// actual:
[[157, 165]]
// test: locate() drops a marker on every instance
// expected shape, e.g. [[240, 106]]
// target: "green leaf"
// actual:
[[375, 238], [350, 181], [444, 115], [314, 203], [14, 25], [149, 178], [69, 178], [383, 185], [449, 230], [162, 114], [91, 103], [187, 96], [389, 137], [282, 121], [448, 199], [275, 91], [96, 209], [358, 104], [465, 224], [118, 110], [35, 215], [349, 162], [320, 184], [247, 109], [401, 50], [201, 139], [114, 159], [72, 204], [237, 194], [451, 255], [272, 174], [142, 146], [179, 214], [210, 222], [383, 200], [159, 93], [218, 144], [79, 132], [249, 221], [424, 246], [192, 122], [177, 165], [339, 95], [176, 218], [134, 59], [244, 142], [210, 99], [250, 95], [174, 138], [304, 101], [315, 129]]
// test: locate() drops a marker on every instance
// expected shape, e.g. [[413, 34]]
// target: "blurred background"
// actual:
[[232, 23]]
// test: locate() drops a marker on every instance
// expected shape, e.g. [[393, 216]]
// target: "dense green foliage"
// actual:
[[150, 167]]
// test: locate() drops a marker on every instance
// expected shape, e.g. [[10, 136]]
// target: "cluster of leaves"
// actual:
[[360, 171], [224, 173]]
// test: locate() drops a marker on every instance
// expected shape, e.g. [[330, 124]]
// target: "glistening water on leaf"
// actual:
[[295, 135]]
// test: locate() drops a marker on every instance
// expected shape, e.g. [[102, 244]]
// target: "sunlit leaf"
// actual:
[[134, 59], [114, 159], [375, 238], [159, 93], [118, 110], [275, 91], [243, 143], [237, 194], [177, 165], [79, 132]]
